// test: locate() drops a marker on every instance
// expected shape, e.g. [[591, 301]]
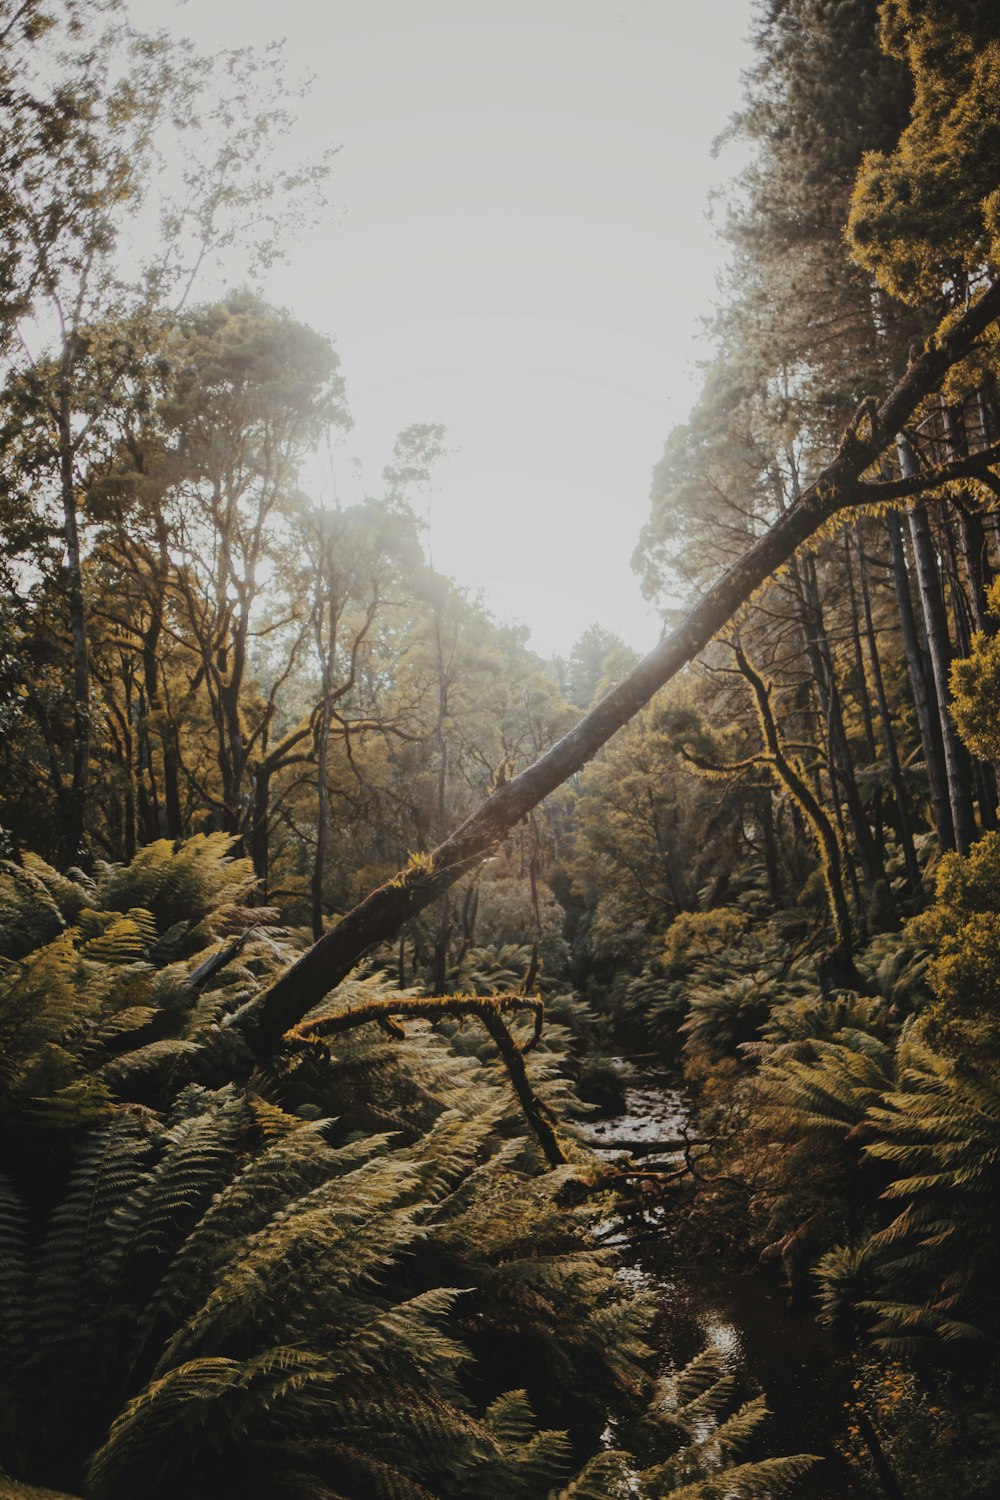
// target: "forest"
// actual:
[[342, 936]]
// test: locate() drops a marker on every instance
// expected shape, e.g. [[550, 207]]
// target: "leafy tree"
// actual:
[[927, 231], [598, 659], [250, 392], [82, 135]]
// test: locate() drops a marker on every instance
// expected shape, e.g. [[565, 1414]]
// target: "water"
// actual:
[[763, 1343]]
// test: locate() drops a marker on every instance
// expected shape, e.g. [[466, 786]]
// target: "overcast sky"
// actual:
[[520, 251]]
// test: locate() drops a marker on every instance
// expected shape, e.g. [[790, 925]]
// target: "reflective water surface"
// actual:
[[764, 1344]]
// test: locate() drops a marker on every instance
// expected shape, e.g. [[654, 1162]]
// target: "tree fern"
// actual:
[[939, 1134], [186, 884], [691, 1414], [836, 1089]]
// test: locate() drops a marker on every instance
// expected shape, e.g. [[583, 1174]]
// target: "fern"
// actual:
[[692, 1414], [316, 1283], [939, 1134], [186, 884], [835, 1091]]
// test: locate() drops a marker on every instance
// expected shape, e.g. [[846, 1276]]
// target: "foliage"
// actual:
[[327, 1279], [695, 1415], [933, 1439], [962, 926], [926, 229], [975, 684]]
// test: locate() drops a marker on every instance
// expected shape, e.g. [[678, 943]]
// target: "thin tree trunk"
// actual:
[[260, 831], [885, 720], [842, 763], [958, 767], [771, 863], [978, 568], [828, 844], [926, 708], [73, 816], [859, 661]]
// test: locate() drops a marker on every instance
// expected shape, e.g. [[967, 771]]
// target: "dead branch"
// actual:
[[487, 1009]]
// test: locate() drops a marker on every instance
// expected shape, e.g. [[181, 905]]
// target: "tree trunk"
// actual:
[[958, 767], [260, 830], [322, 816], [828, 845], [919, 670], [885, 720], [842, 764], [859, 661], [73, 815], [978, 568]]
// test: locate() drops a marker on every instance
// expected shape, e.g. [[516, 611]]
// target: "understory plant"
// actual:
[[348, 1273]]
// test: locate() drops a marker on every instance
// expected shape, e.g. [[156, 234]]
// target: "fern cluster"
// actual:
[[348, 1277], [695, 1419], [886, 1181]]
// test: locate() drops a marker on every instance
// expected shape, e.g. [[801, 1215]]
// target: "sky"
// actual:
[[519, 249]]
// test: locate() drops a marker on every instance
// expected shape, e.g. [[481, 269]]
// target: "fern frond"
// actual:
[[764, 1480], [607, 1476], [509, 1418], [344, 1232], [731, 1436], [124, 938], [184, 884], [173, 1416]]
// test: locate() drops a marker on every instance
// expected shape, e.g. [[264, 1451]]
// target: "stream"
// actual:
[[766, 1346]]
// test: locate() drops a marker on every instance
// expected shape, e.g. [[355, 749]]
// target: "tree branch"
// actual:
[[487, 1009]]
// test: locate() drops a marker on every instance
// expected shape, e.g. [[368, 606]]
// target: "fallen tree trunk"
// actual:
[[377, 919]]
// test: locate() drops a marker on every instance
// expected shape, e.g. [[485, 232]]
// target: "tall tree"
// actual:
[[83, 134]]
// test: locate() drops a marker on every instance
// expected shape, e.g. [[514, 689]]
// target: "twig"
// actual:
[[488, 1009], [199, 977]]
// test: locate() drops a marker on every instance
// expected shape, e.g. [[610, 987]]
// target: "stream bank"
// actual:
[[764, 1344]]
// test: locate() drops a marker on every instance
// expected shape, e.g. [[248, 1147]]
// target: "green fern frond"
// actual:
[[166, 1426], [764, 1480], [29, 913], [86, 1230], [70, 891], [196, 1157], [39, 1000], [341, 1234], [607, 1476], [692, 1381], [732, 1435], [287, 1170], [124, 939], [509, 1418], [184, 884]]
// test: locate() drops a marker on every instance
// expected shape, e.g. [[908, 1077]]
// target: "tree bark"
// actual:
[[74, 810], [885, 719], [958, 767], [919, 669], [790, 777], [842, 764]]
